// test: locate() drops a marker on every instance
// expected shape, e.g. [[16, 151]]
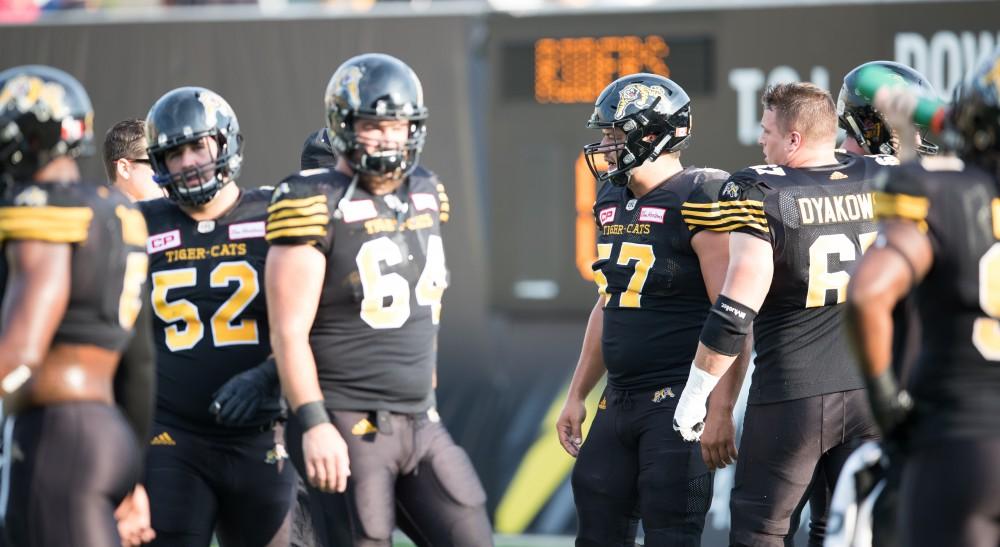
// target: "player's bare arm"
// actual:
[[38, 293], [294, 283], [899, 259], [748, 279], [718, 441], [589, 370]]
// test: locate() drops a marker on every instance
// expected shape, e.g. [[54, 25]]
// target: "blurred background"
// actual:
[[509, 85]]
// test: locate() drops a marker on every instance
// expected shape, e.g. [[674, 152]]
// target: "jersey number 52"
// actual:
[[186, 328]]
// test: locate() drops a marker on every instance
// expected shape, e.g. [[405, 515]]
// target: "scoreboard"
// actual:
[[541, 192]]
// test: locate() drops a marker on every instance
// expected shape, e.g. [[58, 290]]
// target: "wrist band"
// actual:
[[311, 415]]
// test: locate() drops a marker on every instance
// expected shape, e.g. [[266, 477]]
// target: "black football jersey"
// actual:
[[818, 221], [656, 300], [210, 312], [956, 380], [374, 333], [108, 265]]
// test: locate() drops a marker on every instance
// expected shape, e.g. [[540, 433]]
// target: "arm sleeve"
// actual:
[[734, 205], [299, 214], [52, 215], [135, 379]]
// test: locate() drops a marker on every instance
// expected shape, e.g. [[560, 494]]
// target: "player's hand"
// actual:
[[237, 401], [718, 440], [569, 425], [689, 418], [327, 462], [132, 515]]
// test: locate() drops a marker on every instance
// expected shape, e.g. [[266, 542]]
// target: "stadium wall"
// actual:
[[508, 95]]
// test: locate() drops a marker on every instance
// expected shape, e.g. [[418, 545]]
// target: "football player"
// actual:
[[797, 225], [941, 234], [869, 130], [76, 336], [355, 277], [656, 281], [213, 462]]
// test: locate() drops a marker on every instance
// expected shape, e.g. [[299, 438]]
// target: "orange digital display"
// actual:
[[576, 70], [586, 230]]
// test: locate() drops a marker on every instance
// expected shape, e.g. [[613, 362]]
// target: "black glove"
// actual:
[[237, 401], [891, 406]]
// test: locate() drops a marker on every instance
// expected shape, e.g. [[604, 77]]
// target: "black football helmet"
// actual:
[[975, 115], [185, 115], [376, 87], [653, 112], [44, 113], [866, 125]]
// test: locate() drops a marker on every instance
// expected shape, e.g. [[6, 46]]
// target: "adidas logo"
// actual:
[[837, 175], [163, 439]]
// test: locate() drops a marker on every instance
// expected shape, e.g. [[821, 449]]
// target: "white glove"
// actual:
[[689, 418]]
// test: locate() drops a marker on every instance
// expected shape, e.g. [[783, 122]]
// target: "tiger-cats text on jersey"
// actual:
[[210, 313], [648, 272]]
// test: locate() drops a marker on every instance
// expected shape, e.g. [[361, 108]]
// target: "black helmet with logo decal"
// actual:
[[44, 113], [654, 116], [377, 87], [185, 115]]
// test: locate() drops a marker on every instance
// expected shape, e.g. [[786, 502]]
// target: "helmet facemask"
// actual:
[[383, 158], [646, 136], [210, 176]]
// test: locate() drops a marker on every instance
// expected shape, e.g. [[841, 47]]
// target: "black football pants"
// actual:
[[240, 487], [70, 465], [792, 452], [951, 494], [634, 465]]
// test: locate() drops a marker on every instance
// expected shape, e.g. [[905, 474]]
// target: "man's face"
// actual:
[[135, 178], [772, 140], [610, 137], [382, 134], [192, 155]]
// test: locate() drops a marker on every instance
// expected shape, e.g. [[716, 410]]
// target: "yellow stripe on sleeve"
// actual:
[[307, 231], [315, 220], [295, 203], [52, 224], [904, 206], [309, 210]]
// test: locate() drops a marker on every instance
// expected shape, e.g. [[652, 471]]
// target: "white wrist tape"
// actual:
[[690, 414], [15, 379]]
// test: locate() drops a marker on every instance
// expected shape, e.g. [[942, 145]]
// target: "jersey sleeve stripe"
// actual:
[[316, 209], [745, 202], [724, 220], [904, 206], [306, 231], [295, 203], [735, 226], [52, 224], [721, 212], [315, 220]]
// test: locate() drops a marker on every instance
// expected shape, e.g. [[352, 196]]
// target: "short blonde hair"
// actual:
[[803, 107]]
